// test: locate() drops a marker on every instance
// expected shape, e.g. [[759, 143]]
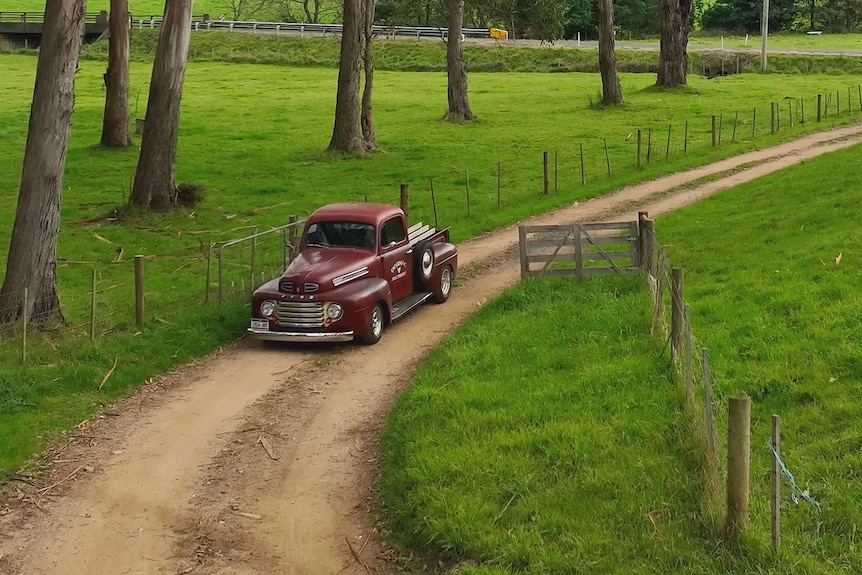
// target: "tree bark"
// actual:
[[674, 19], [115, 123], [32, 261], [459, 107], [345, 132], [611, 91], [154, 186], [369, 137]]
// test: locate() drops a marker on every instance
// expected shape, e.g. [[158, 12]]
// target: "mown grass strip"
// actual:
[[547, 436]]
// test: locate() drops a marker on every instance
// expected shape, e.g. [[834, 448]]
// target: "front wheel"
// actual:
[[444, 285], [373, 326]]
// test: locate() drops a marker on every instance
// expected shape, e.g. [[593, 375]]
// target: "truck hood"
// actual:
[[320, 269]]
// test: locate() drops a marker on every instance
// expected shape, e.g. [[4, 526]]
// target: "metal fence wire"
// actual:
[[243, 264]]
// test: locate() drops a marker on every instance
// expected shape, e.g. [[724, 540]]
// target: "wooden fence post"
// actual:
[[707, 392], [772, 117], [713, 130], [25, 312], [522, 250], [819, 107], [404, 201], [639, 149], [775, 477], [649, 248], [93, 304], [685, 139], [790, 111], [139, 291], [777, 116], [802, 110], [555, 171], [735, 122], [434, 201], [676, 312], [754, 122], [738, 459], [583, 176], [545, 182], [607, 158], [689, 383], [642, 240], [467, 189], [720, 124]]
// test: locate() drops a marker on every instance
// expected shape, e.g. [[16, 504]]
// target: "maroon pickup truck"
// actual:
[[359, 268]]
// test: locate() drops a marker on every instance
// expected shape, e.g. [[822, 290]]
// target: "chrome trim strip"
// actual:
[[290, 336], [350, 276]]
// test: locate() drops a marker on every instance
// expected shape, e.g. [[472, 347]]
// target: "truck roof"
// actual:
[[373, 214]]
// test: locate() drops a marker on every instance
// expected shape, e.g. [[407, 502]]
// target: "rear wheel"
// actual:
[[373, 326], [424, 263], [444, 285]]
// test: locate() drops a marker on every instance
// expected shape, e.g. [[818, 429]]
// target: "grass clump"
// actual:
[[542, 436]]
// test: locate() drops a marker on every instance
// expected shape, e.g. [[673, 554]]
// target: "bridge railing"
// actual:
[[302, 28], [39, 17], [203, 22]]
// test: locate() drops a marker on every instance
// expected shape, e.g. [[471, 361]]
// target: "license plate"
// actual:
[[260, 324]]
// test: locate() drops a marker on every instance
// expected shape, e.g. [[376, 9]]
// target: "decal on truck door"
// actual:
[[398, 270]]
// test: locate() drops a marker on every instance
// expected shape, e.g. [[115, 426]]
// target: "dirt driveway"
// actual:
[[262, 460]]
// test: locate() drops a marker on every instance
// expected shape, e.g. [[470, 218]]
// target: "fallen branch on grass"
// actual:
[[109, 374]]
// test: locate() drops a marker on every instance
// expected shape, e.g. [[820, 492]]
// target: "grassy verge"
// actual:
[[772, 277], [495, 460], [253, 136], [571, 455]]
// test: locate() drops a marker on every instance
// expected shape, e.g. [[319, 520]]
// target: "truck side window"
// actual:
[[393, 231]]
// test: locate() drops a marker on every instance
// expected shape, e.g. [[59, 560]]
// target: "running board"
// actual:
[[408, 304]]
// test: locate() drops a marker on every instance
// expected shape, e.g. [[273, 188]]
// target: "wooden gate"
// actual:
[[579, 249]]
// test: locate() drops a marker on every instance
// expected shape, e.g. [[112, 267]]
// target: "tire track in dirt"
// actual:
[[185, 487]]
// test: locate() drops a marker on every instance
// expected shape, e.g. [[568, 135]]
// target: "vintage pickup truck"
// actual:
[[359, 268]]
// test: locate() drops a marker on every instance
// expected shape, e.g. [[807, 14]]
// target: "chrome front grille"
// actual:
[[300, 314]]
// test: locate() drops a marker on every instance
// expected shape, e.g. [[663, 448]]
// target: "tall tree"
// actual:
[[674, 24], [32, 261], [459, 107], [611, 91], [115, 123], [154, 186], [345, 132], [369, 137]]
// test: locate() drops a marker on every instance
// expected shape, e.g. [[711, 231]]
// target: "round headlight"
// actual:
[[334, 311], [267, 308]]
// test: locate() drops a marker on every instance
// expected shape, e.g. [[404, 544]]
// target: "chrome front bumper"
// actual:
[[299, 336]]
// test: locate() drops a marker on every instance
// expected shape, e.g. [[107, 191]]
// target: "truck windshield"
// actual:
[[340, 234]]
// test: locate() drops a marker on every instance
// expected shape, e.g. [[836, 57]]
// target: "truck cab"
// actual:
[[359, 268]]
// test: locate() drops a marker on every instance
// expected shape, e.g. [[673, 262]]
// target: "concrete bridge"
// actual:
[[24, 29]]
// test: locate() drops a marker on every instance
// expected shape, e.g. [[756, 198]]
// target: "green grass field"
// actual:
[[254, 137], [549, 460]]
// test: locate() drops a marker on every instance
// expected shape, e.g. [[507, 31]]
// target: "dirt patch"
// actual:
[[263, 460]]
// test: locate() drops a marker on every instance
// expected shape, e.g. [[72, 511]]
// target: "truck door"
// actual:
[[397, 258]]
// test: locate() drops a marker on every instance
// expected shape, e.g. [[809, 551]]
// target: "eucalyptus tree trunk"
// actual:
[[674, 16], [115, 123], [32, 261], [345, 132], [154, 186], [369, 137], [459, 107], [611, 91]]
